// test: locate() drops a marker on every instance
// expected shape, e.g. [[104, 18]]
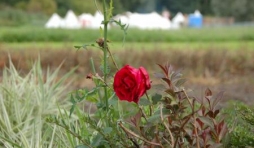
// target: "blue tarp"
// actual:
[[195, 21]]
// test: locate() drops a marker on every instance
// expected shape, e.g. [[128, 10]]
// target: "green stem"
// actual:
[[105, 52], [113, 59], [92, 65], [96, 81], [150, 106]]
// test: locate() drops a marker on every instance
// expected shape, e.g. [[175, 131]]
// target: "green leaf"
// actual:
[[165, 111], [73, 101], [144, 102], [97, 140], [107, 130], [78, 47], [113, 100], [156, 98], [124, 27], [86, 95], [129, 108], [72, 109], [81, 146], [154, 119]]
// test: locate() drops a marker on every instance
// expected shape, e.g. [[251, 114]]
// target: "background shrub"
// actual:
[[16, 17], [240, 119]]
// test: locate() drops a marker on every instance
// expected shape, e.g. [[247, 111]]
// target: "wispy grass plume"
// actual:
[[25, 103]]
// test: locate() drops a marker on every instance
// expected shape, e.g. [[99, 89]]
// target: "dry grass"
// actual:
[[218, 69]]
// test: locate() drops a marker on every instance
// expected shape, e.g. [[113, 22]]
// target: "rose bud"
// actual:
[[89, 76]]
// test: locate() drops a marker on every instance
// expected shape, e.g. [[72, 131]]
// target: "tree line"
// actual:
[[241, 10]]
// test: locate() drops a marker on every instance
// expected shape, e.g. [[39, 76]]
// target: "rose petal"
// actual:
[[146, 77]]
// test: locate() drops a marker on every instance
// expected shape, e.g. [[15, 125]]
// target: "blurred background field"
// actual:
[[219, 58]]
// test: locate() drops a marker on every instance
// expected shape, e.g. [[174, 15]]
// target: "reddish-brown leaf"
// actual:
[[180, 82], [207, 121], [203, 110], [223, 130], [208, 100], [200, 123], [216, 99], [210, 114], [216, 112], [213, 134], [165, 70], [167, 81], [170, 121], [208, 92], [216, 145], [199, 100], [159, 75], [170, 92]]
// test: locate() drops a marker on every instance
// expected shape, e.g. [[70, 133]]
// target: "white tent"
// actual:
[[197, 13], [86, 20], [98, 18], [149, 21], [144, 21], [71, 21], [55, 21], [178, 20]]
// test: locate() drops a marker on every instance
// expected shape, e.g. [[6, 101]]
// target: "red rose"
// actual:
[[131, 83]]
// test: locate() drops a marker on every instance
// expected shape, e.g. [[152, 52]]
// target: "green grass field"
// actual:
[[228, 45], [231, 38], [36, 34]]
